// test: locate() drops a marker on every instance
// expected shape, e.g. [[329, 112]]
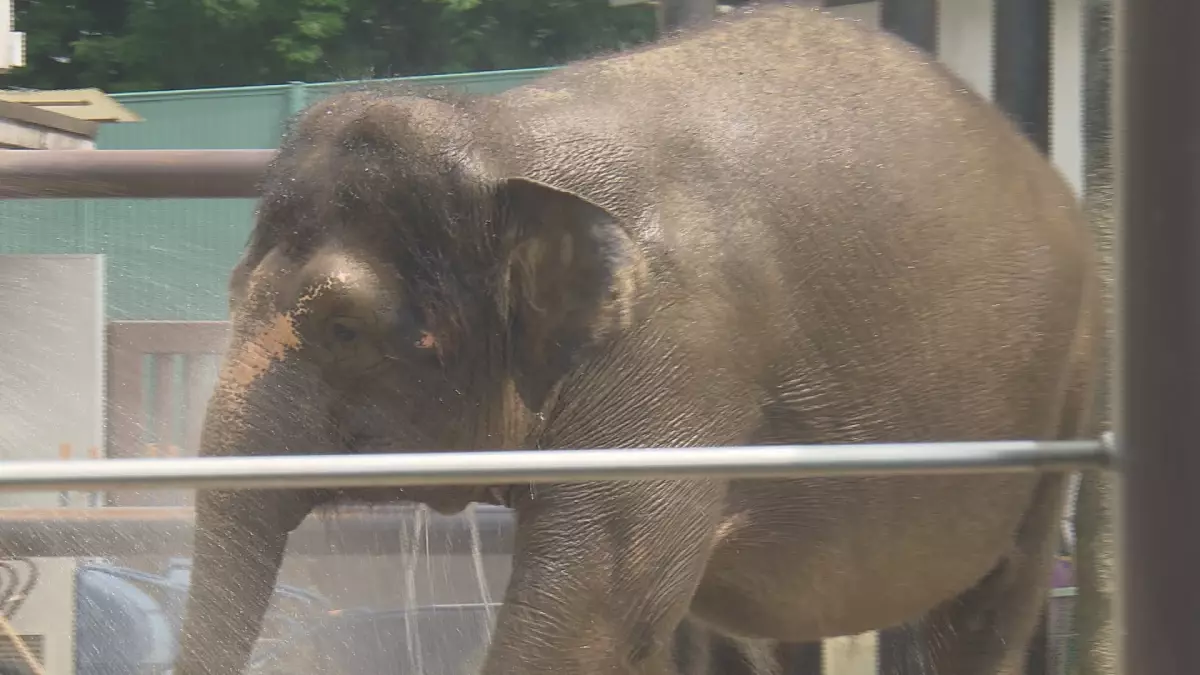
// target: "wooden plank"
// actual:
[[124, 405], [171, 337], [49, 120], [89, 104], [199, 376], [126, 417], [129, 344], [162, 404], [164, 410]]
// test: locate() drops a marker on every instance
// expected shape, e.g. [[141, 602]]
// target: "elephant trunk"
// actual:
[[239, 545], [260, 406]]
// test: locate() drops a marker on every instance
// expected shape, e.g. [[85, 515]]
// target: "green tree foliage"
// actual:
[[129, 45]]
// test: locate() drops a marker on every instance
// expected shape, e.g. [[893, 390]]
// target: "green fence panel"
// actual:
[[170, 259], [247, 117], [471, 83]]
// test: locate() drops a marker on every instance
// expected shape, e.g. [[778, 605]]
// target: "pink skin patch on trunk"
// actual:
[[270, 346]]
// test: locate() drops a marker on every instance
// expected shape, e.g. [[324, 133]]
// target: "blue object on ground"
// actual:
[[127, 623], [119, 628]]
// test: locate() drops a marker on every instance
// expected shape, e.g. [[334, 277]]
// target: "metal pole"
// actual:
[[1158, 196], [347, 530], [551, 466], [1095, 550], [131, 174]]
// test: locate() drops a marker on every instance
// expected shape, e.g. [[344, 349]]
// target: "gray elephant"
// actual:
[[783, 228]]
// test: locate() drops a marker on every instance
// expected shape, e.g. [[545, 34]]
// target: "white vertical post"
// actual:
[[12, 44], [965, 41], [1066, 108], [851, 654]]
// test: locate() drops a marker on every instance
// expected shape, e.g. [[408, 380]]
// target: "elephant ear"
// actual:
[[572, 280]]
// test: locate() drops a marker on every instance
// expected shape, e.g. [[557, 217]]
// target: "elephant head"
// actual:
[[395, 294]]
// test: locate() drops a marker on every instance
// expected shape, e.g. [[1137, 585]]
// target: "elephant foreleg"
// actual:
[[240, 542], [603, 575], [986, 630]]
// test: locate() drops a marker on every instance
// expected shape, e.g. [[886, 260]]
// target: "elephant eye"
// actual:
[[349, 342], [343, 332]]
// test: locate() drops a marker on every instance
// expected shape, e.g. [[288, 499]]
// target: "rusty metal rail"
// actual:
[[131, 174], [167, 531]]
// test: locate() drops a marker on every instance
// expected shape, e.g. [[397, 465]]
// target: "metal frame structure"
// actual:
[[1158, 352], [167, 531], [132, 174], [503, 467]]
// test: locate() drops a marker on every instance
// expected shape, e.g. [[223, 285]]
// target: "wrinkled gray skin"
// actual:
[[782, 229]]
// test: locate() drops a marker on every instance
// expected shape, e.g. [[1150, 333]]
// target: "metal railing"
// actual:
[[543, 466], [167, 531], [132, 174]]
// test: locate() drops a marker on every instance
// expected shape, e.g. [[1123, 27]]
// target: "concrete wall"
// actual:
[[51, 361]]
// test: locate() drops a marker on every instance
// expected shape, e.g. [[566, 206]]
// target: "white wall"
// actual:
[[51, 361], [49, 611]]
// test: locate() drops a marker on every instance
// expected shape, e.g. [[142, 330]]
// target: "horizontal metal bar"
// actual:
[[552, 466], [131, 174], [158, 531]]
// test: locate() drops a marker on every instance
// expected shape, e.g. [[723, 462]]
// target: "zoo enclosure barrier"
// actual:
[[159, 374], [140, 416], [153, 174]]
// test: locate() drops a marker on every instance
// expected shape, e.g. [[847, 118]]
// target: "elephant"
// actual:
[[780, 228]]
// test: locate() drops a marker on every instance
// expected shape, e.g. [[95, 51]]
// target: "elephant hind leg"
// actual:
[[986, 630]]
